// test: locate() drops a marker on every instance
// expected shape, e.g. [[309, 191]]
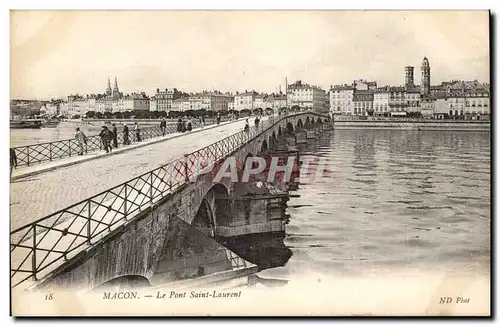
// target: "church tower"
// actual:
[[108, 89], [425, 86], [116, 91], [409, 77]]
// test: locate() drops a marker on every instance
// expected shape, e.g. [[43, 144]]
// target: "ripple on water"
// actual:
[[418, 242]]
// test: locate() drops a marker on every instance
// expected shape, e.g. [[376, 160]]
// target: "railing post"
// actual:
[[28, 155], [89, 232], [33, 257], [125, 203], [151, 187], [50, 152], [186, 168], [69, 147]]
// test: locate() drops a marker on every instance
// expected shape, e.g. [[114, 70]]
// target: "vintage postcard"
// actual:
[[250, 163]]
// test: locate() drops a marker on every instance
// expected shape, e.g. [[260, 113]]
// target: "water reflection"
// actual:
[[265, 250], [396, 199]]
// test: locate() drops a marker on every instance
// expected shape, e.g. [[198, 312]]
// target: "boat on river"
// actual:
[[26, 124]]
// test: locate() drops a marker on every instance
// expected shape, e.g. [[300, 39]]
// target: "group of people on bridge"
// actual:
[[256, 122], [109, 137], [186, 125]]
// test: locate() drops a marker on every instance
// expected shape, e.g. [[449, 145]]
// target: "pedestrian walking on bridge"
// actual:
[[81, 139], [163, 126], [257, 120], [105, 135], [137, 132], [115, 136], [126, 139], [13, 160], [179, 125]]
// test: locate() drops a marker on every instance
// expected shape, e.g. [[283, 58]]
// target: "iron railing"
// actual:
[[49, 151], [53, 239]]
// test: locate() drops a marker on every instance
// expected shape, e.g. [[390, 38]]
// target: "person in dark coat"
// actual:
[[179, 125], [189, 125], [257, 120], [115, 136], [218, 118], [13, 160], [163, 126], [105, 135], [126, 139]]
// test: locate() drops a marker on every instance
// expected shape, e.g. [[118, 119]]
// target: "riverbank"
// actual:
[[458, 125]]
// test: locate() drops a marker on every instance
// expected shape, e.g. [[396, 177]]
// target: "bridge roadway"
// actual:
[[34, 197]]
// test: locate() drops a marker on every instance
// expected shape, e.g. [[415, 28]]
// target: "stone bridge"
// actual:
[[176, 233]]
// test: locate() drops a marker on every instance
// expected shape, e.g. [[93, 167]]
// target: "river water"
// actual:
[[65, 130], [395, 200]]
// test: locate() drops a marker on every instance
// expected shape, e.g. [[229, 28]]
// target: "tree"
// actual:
[[126, 115], [258, 111], [140, 114], [90, 114], [99, 115], [174, 114], [245, 112], [76, 116], [211, 114], [200, 113]]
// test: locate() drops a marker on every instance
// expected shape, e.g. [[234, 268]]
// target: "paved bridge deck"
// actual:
[[36, 196]]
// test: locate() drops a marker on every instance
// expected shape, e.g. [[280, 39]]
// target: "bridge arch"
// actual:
[[289, 128], [273, 141], [280, 131], [307, 124], [264, 147], [212, 207], [300, 124]]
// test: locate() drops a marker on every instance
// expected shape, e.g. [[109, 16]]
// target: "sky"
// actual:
[[57, 53]]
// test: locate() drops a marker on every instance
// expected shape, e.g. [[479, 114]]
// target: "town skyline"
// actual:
[[234, 51], [279, 89]]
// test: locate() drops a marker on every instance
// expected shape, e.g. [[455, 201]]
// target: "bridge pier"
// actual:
[[312, 133], [253, 210]]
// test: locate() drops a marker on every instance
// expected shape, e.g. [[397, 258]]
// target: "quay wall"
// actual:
[[413, 125]]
